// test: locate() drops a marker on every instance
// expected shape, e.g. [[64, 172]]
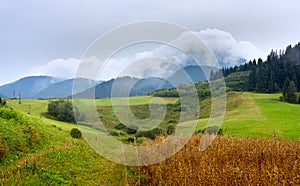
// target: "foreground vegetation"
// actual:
[[247, 115], [35, 153], [229, 161], [38, 151]]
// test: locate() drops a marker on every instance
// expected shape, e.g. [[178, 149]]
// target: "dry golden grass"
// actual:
[[229, 161]]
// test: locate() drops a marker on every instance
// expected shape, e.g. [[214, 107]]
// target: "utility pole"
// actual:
[[20, 98], [14, 94], [29, 108]]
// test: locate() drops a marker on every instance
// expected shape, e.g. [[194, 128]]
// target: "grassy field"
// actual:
[[39, 151], [247, 114], [264, 115], [34, 153]]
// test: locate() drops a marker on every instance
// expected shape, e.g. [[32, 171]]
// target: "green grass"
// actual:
[[35, 153], [73, 163], [136, 100], [247, 114], [261, 115]]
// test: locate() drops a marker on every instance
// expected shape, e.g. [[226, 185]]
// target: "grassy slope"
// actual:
[[69, 161], [256, 114], [35, 153], [261, 115]]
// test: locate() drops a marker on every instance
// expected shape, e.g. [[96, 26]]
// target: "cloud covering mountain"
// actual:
[[161, 60]]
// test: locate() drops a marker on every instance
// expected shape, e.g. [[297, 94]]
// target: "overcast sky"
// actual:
[[49, 37]]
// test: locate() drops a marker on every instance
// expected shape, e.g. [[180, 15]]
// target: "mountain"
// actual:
[[148, 85], [126, 86], [62, 89], [2, 96], [34, 87], [195, 73], [139, 87], [28, 86]]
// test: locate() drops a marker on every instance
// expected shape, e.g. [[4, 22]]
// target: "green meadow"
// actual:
[[40, 151], [261, 115], [247, 114]]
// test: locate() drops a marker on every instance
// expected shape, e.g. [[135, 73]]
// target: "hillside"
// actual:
[[195, 73], [267, 76], [137, 87], [247, 114], [2, 96], [62, 89], [28, 87], [254, 130], [35, 153]]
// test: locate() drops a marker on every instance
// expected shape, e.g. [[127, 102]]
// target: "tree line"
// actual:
[[279, 73]]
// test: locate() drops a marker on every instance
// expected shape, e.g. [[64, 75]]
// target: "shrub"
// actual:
[[150, 133], [170, 129], [121, 126], [2, 102], [116, 133], [130, 139], [210, 130], [131, 129], [63, 111], [76, 133], [213, 130]]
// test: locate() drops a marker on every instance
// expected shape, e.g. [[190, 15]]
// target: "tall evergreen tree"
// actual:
[[252, 80], [289, 91]]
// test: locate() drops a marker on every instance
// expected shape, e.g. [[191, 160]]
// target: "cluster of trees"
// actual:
[[289, 92], [280, 72], [63, 110], [2, 102], [202, 88]]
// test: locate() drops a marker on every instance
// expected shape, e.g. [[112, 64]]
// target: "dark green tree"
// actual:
[[63, 111], [252, 80], [271, 85], [289, 91], [2, 102]]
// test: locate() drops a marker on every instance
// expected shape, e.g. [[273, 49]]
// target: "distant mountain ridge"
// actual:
[[2, 96], [34, 87], [140, 87], [28, 87], [62, 89]]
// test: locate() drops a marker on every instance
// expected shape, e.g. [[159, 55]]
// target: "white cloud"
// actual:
[[62, 68], [226, 48], [160, 61]]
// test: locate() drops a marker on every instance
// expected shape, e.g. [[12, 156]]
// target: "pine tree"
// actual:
[[292, 92], [271, 85], [285, 89], [289, 91], [252, 80]]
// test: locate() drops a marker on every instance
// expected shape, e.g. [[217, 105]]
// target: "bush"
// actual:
[[210, 130], [116, 133], [63, 111], [170, 129], [130, 139], [132, 129], [129, 130], [150, 133], [213, 130], [76, 133], [121, 126], [2, 102]]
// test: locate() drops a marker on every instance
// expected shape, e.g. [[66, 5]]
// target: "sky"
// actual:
[[50, 37]]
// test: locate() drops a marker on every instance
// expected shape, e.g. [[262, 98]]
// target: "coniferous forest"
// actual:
[[279, 73]]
